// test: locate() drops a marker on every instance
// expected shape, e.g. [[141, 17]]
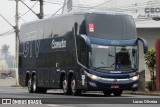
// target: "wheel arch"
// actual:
[[33, 73], [63, 74], [70, 75], [28, 75]]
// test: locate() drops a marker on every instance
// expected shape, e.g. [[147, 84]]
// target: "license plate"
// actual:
[[115, 86]]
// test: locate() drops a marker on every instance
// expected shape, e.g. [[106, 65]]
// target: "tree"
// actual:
[[4, 50], [150, 60]]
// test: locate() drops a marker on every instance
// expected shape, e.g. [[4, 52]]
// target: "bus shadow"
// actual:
[[100, 95], [86, 95]]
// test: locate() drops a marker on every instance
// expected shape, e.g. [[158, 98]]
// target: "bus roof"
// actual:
[[78, 13], [99, 12]]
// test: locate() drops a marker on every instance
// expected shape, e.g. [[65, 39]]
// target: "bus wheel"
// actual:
[[65, 86], [3, 76], [74, 91], [30, 85], [107, 92], [117, 92], [34, 84]]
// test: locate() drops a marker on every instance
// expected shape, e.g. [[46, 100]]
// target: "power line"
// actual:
[[136, 5], [60, 8], [83, 6], [131, 7], [7, 21], [29, 9], [54, 3], [22, 19], [7, 32], [63, 7]]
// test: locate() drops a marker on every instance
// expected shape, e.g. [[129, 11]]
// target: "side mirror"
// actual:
[[145, 44]]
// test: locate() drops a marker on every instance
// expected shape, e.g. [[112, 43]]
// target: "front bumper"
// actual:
[[98, 83]]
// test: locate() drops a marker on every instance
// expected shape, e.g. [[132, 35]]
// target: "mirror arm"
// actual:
[[145, 44], [88, 42]]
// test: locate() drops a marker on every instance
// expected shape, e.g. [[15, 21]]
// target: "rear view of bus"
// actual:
[[109, 53]]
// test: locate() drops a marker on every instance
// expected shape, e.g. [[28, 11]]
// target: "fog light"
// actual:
[[92, 84], [135, 85]]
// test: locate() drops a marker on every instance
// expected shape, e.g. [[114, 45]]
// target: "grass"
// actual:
[[143, 92], [15, 86]]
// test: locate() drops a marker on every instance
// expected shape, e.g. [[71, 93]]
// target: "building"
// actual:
[[141, 10], [3, 65]]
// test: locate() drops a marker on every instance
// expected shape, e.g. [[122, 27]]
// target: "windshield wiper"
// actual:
[[133, 68]]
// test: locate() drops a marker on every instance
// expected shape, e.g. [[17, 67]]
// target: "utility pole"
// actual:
[[16, 29], [41, 14], [64, 3], [17, 40]]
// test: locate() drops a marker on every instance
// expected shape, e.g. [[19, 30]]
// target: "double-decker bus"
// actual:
[[96, 51]]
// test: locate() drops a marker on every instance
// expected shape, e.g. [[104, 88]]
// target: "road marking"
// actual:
[[52, 105]]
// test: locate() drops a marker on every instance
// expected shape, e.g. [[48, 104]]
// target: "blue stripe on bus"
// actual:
[[111, 75], [113, 42]]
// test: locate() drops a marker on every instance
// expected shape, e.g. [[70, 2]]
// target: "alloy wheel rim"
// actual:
[[73, 86], [34, 85], [29, 84], [65, 85]]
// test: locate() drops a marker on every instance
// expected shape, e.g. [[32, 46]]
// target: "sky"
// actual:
[[7, 10]]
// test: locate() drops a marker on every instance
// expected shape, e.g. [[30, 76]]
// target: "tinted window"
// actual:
[[80, 24], [110, 26], [82, 51]]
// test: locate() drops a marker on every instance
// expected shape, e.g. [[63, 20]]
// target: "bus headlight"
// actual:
[[134, 78], [94, 77]]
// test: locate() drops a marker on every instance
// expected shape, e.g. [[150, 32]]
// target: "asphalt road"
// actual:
[[55, 98]]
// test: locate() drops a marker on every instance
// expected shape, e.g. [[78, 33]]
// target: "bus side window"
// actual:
[[20, 62], [82, 51], [69, 59], [52, 59], [40, 61]]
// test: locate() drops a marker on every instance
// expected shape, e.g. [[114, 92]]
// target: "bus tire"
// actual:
[[30, 85], [107, 92], [117, 92], [65, 84], [3, 76], [35, 90], [74, 91]]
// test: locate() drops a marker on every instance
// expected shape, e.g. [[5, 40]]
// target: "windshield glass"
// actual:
[[114, 57], [111, 26]]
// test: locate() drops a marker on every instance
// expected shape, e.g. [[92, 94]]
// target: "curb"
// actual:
[[142, 93]]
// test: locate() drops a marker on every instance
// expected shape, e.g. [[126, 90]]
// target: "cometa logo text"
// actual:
[[59, 44]]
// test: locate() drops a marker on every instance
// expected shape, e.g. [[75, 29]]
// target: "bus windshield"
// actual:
[[122, 58]]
